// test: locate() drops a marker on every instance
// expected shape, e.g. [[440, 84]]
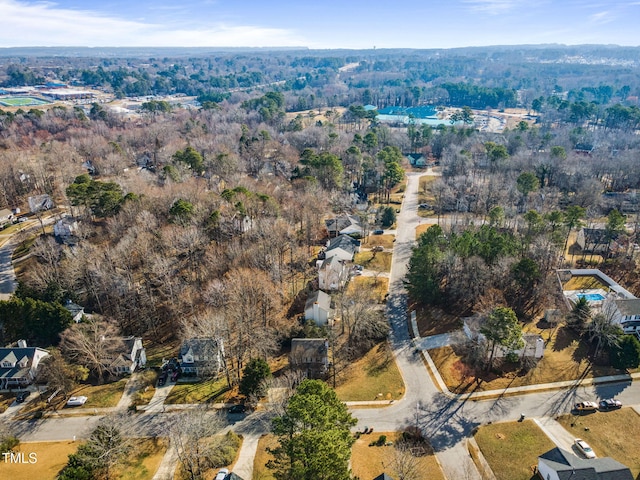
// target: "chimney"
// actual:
[[22, 344], [316, 312]]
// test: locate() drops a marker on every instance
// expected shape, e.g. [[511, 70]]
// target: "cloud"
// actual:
[[44, 24], [493, 7], [600, 18]]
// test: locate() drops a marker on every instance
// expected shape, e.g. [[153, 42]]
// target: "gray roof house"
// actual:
[[38, 203], [19, 365], [318, 308], [75, 310], [344, 224], [559, 464], [201, 357], [332, 273], [310, 355], [344, 246]]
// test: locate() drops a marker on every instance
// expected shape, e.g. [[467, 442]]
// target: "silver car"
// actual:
[[584, 448]]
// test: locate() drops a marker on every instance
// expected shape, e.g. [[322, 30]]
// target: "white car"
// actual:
[[76, 401], [222, 474], [584, 448]]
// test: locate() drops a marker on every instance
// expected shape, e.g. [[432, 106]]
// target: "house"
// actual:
[[533, 343], [201, 357], [76, 311], [66, 229], [383, 476], [310, 355], [132, 356], [39, 203], [593, 240], [6, 216], [344, 224], [343, 246], [626, 312], [332, 273], [19, 365], [318, 308], [559, 464], [417, 160]]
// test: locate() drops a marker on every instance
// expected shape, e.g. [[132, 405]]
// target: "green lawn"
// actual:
[[512, 448], [200, 392], [99, 396]]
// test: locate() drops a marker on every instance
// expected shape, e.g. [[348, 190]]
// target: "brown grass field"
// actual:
[[369, 376], [584, 282], [512, 448], [200, 392], [369, 462], [565, 358], [52, 457], [380, 261], [377, 287], [385, 241], [260, 471], [610, 434]]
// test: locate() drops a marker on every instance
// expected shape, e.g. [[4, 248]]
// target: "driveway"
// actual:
[[160, 395]]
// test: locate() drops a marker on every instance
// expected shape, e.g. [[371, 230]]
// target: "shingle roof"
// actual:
[[322, 299], [569, 466], [341, 222], [628, 306], [345, 242], [17, 356]]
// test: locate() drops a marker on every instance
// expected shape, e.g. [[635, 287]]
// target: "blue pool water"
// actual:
[[591, 297]]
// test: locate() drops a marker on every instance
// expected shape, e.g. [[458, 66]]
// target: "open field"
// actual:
[[565, 358], [380, 261], [374, 374], [378, 287], [200, 392], [512, 448], [610, 434], [369, 462]]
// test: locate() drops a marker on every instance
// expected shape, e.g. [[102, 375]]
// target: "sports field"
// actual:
[[21, 101]]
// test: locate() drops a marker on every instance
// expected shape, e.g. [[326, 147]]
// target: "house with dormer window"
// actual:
[[19, 365]]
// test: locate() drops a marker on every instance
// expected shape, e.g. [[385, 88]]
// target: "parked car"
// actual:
[[378, 232], [377, 248], [175, 375], [222, 474], [584, 448], [77, 401], [586, 407], [22, 396], [239, 408], [162, 379], [424, 206], [610, 404]]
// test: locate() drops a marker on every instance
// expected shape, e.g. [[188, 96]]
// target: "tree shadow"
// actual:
[[564, 338]]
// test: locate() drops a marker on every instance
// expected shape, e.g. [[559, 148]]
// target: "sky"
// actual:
[[319, 24]]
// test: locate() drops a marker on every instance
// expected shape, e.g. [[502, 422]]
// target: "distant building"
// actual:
[[75, 310], [201, 357], [66, 230], [132, 356], [6, 216], [533, 343], [343, 246], [332, 273]]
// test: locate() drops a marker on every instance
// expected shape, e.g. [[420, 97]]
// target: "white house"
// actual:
[[318, 308], [332, 273], [559, 464], [201, 356], [38, 203], [75, 310], [19, 365], [132, 357]]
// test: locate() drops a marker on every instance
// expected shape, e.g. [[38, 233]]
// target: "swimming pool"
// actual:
[[591, 297]]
